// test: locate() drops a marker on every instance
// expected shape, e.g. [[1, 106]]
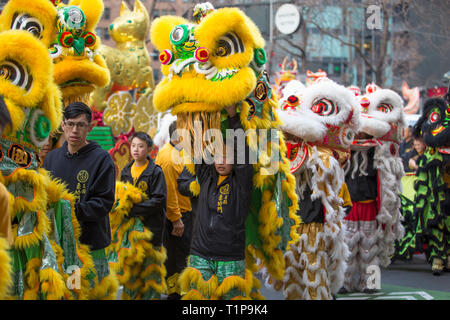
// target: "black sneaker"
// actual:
[[343, 291], [437, 272], [174, 296], [370, 291]]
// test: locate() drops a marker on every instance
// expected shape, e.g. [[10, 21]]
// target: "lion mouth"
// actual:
[[75, 82]]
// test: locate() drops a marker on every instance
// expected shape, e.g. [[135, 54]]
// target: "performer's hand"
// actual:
[[412, 164], [178, 228]]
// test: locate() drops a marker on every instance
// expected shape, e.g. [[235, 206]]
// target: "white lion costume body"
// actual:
[[319, 124], [373, 177]]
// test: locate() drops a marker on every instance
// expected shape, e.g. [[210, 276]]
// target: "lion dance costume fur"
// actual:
[[48, 260], [373, 176], [427, 220], [319, 123], [209, 64], [139, 266]]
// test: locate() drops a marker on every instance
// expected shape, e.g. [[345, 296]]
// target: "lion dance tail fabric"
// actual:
[[138, 264]]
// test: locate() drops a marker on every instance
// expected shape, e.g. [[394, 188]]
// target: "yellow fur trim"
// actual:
[[126, 196], [194, 187], [160, 30], [52, 284], [56, 190], [71, 68], [197, 90], [33, 56], [43, 10], [192, 276], [193, 295], [32, 279], [5, 269], [158, 287], [221, 22], [52, 106], [107, 289], [130, 259], [232, 282]]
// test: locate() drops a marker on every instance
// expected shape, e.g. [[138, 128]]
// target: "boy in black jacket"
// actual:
[[149, 177], [148, 279], [218, 246]]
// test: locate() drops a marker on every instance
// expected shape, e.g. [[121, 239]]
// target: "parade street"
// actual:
[[400, 281]]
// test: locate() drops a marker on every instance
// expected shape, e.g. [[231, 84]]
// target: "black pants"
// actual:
[[177, 251]]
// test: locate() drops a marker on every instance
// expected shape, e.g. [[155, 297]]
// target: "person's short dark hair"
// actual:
[[172, 130], [144, 137], [5, 117], [76, 109]]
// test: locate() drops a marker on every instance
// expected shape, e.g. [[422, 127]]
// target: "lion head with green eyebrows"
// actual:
[[208, 64]]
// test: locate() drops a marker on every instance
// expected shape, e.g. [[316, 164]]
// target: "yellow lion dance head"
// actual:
[[27, 87], [207, 65], [68, 31]]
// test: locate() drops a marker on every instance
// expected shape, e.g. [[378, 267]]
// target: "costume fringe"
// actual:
[[194, 187], [191, 281], [390, 228], [132, 261], [56, 191], [106, 289]]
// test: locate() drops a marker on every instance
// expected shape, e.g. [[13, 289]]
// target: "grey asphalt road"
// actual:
[[415, 274]]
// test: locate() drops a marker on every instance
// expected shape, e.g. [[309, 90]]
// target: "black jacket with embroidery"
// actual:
[[153, 210], [219, 231], [90, 175]]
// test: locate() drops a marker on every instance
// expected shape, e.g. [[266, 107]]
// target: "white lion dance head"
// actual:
[[324, 114]]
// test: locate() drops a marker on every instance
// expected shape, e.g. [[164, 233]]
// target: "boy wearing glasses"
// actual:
[[89, 173]]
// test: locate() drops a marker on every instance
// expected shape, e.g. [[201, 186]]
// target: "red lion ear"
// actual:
[[350, 117]]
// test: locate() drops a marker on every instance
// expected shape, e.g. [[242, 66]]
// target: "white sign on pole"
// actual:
[[287, 18]]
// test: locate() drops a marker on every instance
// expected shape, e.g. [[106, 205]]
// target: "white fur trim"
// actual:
[[162, 136]]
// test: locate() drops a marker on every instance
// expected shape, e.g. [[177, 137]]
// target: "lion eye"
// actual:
[[434, 116], [179, 34], [385, 108], [27, 23], [229, 44], [325, 107], [16, 74]]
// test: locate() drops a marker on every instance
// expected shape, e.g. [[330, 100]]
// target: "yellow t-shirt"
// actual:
[[221, 179], [137, 171], [171, 163], [344, 194]]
